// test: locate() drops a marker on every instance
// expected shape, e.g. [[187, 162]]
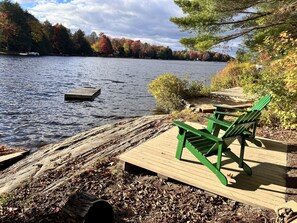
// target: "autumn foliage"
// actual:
[[277, 76], [22, 32], [103, 45], [278, 56]]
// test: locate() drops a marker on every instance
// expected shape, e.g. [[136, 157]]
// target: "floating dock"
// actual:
[[83, 94]]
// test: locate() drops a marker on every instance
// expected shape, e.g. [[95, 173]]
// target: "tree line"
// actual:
[[20, 31]]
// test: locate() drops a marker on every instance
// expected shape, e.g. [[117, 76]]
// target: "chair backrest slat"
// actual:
[[262, 103], [242, 123]]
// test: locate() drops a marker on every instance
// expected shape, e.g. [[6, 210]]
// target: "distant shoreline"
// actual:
[[22, 54]]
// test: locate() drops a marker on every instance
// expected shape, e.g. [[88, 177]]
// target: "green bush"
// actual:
[[277, 78], [230, 76], [193, 89], [169, 91]]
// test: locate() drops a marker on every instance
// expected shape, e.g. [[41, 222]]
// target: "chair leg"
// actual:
[[209, 165], [252, 137], [245, 167], [181, 143], [179, 150], [219, 159], [242, 145]]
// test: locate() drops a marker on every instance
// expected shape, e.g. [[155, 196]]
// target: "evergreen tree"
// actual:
[[40, 42], [217, 21], [92, 38], [80, 44], [164, 53], [61, 41], [48, 31]]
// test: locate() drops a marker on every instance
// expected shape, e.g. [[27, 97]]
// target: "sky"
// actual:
[[146, 20]]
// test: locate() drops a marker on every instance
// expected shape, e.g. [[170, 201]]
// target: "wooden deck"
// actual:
[[83, 93], [265, 188], [11, 158], [236, 92]]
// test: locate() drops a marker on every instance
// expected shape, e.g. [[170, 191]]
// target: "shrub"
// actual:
[[278, 78], [229, 77], [169, 91], [193, 89]]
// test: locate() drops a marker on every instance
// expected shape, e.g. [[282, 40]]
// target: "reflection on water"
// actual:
[[32, 107]]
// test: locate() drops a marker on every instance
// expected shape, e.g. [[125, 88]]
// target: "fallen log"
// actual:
[[87, 208]]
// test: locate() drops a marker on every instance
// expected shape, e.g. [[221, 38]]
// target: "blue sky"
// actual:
[[147, 20]]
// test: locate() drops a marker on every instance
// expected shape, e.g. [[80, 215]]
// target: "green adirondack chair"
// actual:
[[220, 114], [202, 143], [260, 105]]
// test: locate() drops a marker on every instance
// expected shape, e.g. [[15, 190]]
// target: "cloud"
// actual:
[[147, 20]]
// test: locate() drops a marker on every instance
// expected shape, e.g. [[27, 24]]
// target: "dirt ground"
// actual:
[[135, 197]]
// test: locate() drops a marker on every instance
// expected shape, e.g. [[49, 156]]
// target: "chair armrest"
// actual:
[[221, 107], [224, 113], [196, 131], [218, 122]]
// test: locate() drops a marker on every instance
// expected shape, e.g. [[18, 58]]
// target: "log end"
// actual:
[[100, 211]]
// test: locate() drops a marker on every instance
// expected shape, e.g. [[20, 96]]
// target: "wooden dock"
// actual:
[[236, 93], [265, 188], [232, 97], [83, 93], [12, 157]]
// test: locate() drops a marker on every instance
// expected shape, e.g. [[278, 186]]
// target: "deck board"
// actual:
[[236, 92], [265, 188], [10, 158]]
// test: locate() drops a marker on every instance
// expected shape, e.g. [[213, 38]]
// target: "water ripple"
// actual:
[[32, 107]]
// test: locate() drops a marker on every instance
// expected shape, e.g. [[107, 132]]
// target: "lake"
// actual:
[[32, 107]]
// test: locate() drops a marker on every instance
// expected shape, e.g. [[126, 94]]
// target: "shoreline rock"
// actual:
[[85, 148]]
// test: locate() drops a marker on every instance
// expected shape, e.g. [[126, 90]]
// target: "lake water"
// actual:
[[32, 107]]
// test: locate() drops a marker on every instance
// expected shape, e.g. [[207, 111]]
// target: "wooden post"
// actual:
[[86, 208]]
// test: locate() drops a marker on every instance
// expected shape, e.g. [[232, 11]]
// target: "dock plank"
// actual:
[[236, 92], [9, 158], [265, 188]]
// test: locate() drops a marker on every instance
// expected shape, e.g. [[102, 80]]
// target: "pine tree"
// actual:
[[217, 21]]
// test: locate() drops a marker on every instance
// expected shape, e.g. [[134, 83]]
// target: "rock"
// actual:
[[84, 149]]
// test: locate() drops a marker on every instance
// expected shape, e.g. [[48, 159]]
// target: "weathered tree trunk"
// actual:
[[84, 207]]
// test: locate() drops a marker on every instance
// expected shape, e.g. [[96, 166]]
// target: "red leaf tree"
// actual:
[[104, 45]]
